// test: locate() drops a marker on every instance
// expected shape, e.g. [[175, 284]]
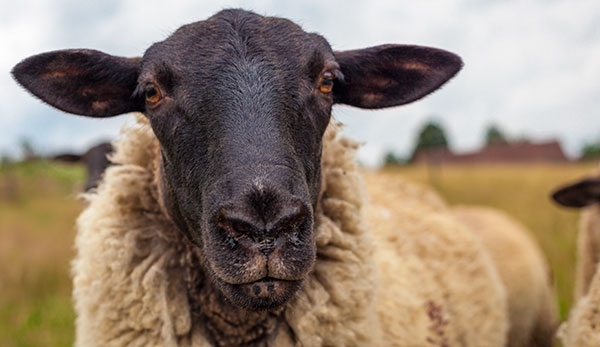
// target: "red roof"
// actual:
[[522, 152]]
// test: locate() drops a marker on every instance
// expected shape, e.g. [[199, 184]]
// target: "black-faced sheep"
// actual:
[[582, 329], [235, 215], [95, 160]]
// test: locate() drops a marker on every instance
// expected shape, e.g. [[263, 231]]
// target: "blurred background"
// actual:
[[520, 119]]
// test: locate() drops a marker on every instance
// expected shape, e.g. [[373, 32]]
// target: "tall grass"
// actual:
[[38, 207]]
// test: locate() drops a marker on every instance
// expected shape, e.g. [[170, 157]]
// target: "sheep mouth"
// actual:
[[265, 294]]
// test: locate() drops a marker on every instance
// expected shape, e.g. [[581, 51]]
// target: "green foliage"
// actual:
[[27, 149], [494, 135], [38, 208], [40, 176], [591, 151], [432, 135], [391, 159], [5, 159]]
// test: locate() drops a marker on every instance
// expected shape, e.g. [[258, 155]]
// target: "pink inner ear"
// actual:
[[414, 65], [60, 72], [55, 74], [371, 98], [382, 82], [100, 105]]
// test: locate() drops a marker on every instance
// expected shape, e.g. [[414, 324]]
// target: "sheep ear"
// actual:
[[67, 158], [84, 82], [391, 75], [580, 194]]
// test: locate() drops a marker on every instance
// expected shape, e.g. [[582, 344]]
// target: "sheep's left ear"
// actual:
[[580, 194], [391, 75], [82, 81]]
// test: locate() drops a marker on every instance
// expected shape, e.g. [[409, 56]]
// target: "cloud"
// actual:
[[530, 66]]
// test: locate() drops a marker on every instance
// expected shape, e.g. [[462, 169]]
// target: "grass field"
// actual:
[[38, 207]]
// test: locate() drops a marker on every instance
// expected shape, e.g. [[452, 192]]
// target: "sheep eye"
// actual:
[[326, 82], [152, 93]]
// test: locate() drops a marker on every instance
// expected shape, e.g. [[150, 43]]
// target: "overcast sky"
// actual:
[[531, 66]]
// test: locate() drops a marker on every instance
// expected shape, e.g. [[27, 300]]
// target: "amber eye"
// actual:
[[326, 83], [152, 93]]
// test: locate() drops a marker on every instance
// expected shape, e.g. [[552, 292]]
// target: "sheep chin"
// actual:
[[263, 295]]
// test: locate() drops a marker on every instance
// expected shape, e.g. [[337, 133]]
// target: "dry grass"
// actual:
[[38, 207]]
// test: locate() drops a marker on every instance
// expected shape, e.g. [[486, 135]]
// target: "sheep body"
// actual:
[[583, 325], [524, 272], [582, 329], [420, 279], [588, 250], [438, 286]]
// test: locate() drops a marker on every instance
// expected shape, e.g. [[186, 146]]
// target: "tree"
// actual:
[[5, 159], [494, 135], [591, 151], [27, 149], [431, 136], [391, 159]]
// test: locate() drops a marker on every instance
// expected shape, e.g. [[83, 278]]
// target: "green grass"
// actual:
[[38, 208]]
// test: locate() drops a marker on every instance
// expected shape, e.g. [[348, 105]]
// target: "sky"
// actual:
[[532, 67]]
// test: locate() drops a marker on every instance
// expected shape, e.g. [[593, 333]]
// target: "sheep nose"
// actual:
[[262, 225]]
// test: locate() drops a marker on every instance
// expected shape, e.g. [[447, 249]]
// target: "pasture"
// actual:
[[38, 207]]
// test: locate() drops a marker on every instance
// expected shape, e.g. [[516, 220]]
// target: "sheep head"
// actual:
[[239, 103]]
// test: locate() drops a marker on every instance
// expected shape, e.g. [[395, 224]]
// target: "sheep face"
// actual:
[[239, 104]]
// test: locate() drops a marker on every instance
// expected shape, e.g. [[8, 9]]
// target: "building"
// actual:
[[516, 152]]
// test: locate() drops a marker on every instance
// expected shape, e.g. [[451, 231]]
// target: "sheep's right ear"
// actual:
[[580, 194], [84, 82]]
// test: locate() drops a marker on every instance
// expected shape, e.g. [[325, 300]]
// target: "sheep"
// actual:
[[235, 213], [524, 272], [95, 160], [522, 268], [421, 248], [582, 327]]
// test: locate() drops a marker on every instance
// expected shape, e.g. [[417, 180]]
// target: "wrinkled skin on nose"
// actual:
[[239, 104], [259, 241]]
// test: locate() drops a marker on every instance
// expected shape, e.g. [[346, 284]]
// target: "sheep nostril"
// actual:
[[290, 224], [234, 227], [241, 228], [291, 221]]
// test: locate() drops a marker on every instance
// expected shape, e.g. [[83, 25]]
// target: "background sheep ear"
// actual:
[[84, 82], [67, 157], [391, 75], [580, 194]]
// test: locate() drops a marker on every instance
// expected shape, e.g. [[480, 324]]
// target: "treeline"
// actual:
[[433, 135]]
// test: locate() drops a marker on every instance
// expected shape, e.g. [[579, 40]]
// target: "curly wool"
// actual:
[[588, 250], [438, 285], [524, 272], [423, 280]]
